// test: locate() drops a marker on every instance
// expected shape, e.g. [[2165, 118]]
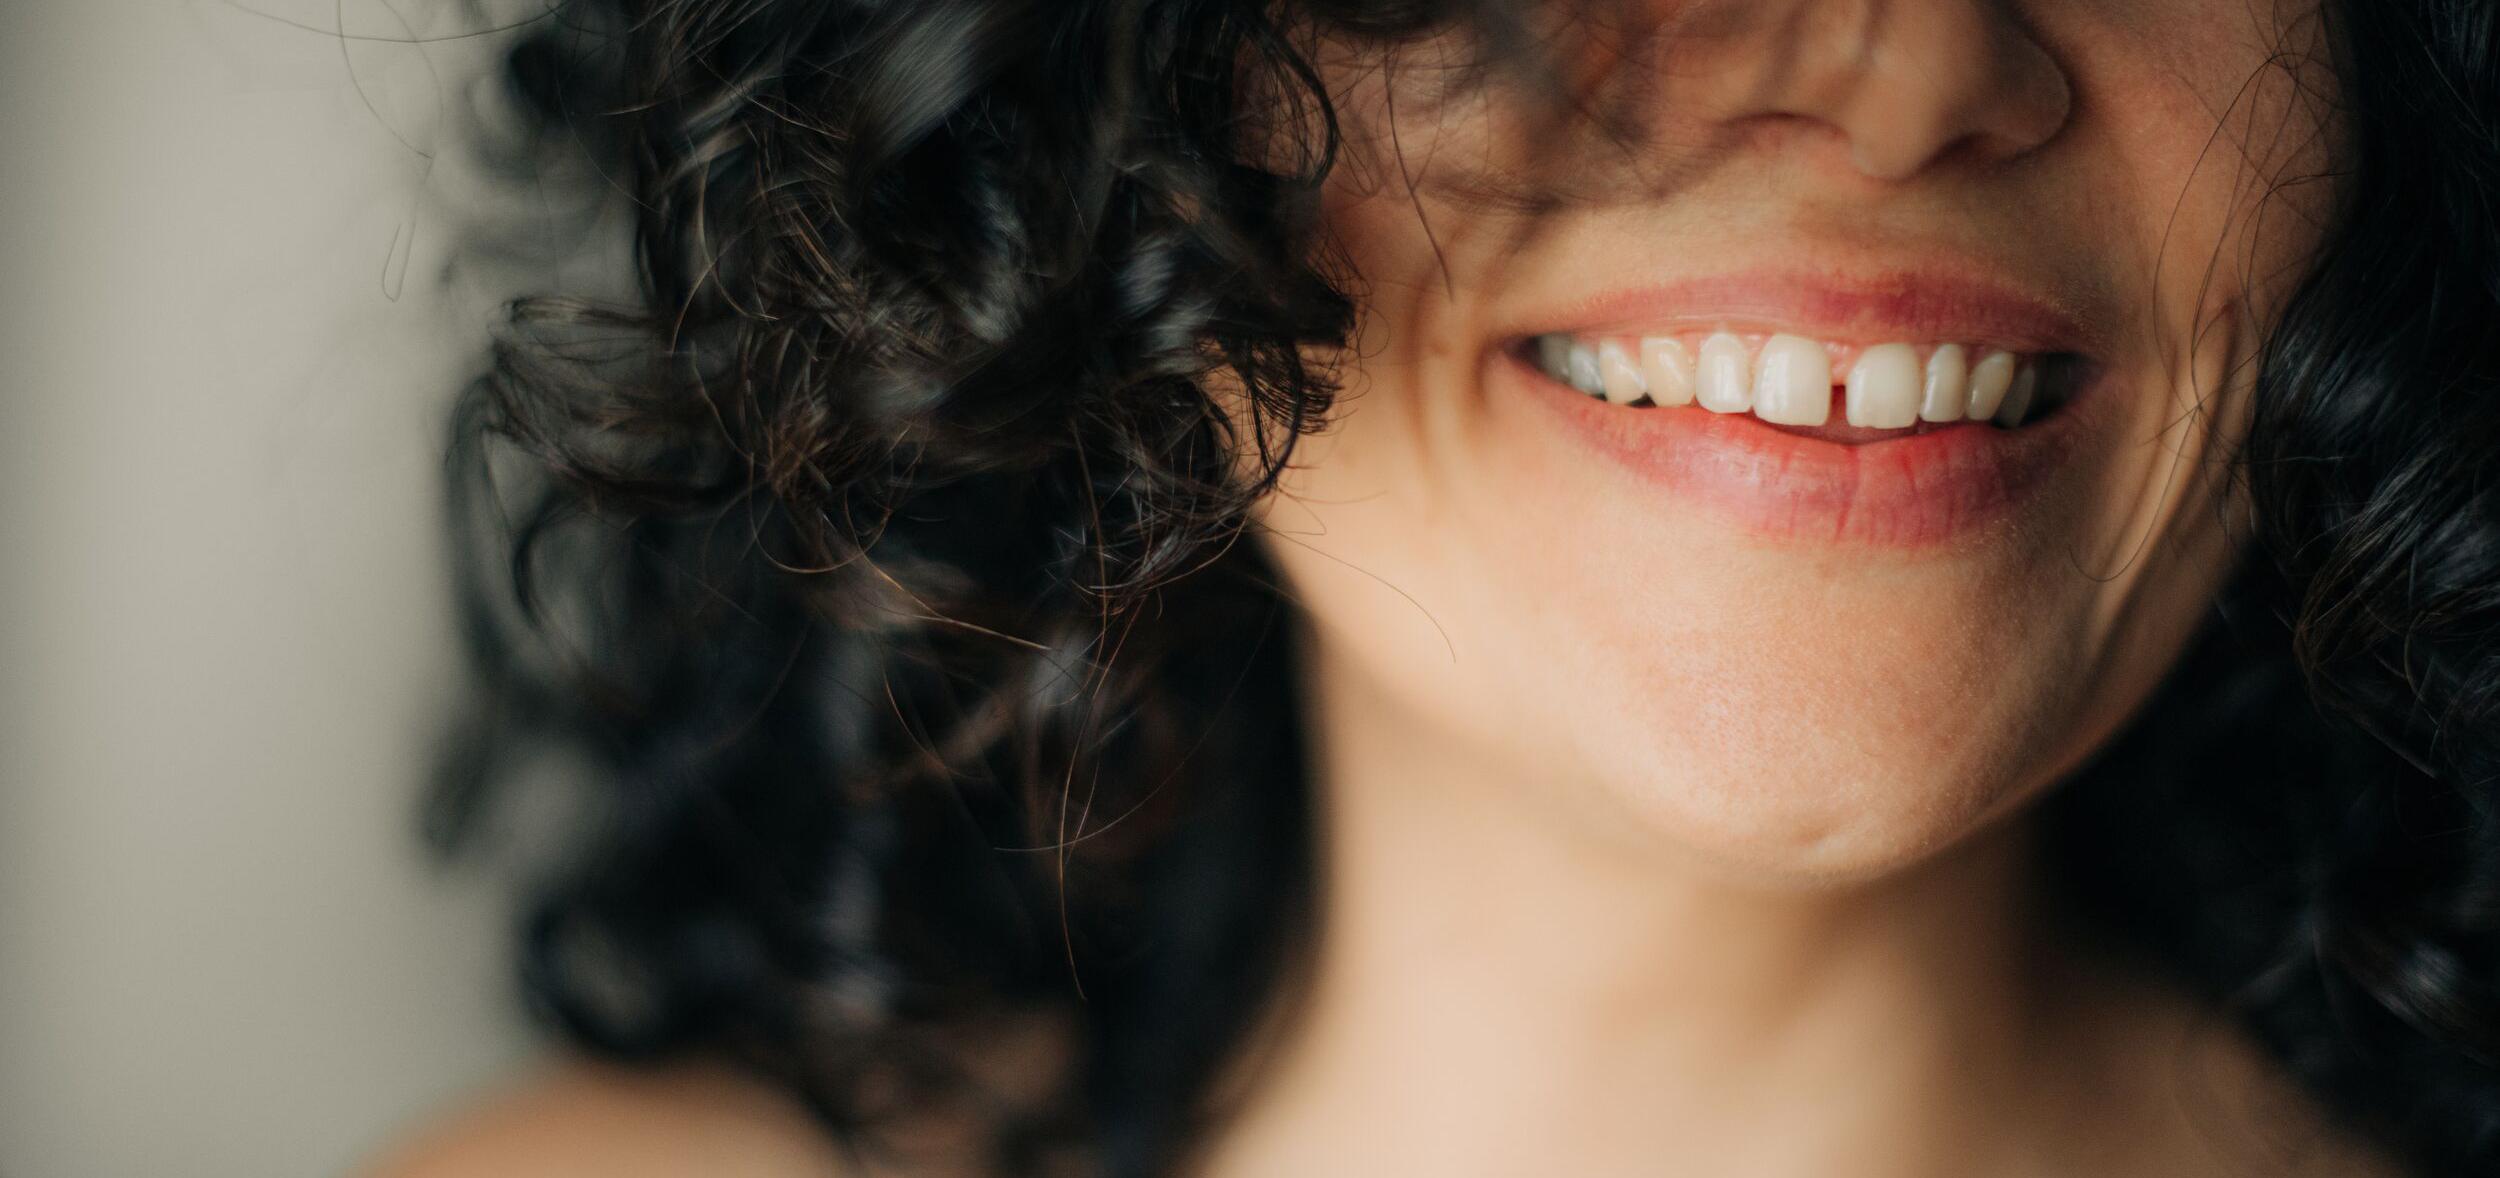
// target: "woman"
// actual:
[[1762, 588]]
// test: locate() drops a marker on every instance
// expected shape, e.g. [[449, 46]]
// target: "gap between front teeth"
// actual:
[[1788, 380]]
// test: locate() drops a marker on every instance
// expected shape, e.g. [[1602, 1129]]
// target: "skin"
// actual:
[[1656, 844], [1791, 712], [1661, 837]]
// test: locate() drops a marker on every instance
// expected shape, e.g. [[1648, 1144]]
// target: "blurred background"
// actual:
[[233, 317]]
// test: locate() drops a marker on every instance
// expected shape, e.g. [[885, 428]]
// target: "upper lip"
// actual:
[[1918, 304]]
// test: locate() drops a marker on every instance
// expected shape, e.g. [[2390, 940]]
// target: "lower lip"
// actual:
[[1907, 491]]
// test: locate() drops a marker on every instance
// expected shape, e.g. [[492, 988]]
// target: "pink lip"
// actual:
[[1875, 307], [1904, 491]]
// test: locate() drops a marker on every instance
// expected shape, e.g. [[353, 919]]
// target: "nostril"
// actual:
[[1907, 87]]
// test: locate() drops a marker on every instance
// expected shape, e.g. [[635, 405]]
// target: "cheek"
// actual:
[[2215, 129], [2220, 124]]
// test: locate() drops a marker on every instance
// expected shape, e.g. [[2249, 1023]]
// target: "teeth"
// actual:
[[1884, 387], [1668, 369], [1620, 376], [1947, 394], [1793, 382], [1553, 355], [2018, 396], [1580, 368], [1988, 381], [1724, 377], [1787, 381]]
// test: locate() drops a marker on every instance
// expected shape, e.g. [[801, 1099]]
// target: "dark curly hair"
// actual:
[[878, 566]]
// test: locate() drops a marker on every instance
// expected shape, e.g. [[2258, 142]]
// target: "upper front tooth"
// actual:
[[1724, 377], [1667, 370], [1884, 387], [1988, 381], [1580, 368], [1947, 395], [1793, 382], [1621, 376]]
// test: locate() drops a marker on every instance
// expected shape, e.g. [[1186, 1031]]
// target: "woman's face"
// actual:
[[1791, 651]]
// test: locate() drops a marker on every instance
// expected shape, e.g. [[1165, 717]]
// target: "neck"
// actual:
[[1499, 985]]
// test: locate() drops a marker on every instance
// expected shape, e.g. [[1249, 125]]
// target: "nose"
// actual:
[[1904, 83]]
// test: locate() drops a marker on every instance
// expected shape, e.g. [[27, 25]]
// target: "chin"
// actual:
[[1839, 764], [1813, 814]]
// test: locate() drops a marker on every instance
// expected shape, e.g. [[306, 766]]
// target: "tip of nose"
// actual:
[[1896, 148], [1919, 87]]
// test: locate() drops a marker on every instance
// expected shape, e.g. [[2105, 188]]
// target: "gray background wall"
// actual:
[[222, 639]]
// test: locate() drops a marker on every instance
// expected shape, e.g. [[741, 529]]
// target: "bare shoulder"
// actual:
[[590, 1119]]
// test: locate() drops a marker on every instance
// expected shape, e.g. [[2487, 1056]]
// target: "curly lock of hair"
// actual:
[[880, 563]]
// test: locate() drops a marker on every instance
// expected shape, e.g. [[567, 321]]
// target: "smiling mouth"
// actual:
[[1846, 393]]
